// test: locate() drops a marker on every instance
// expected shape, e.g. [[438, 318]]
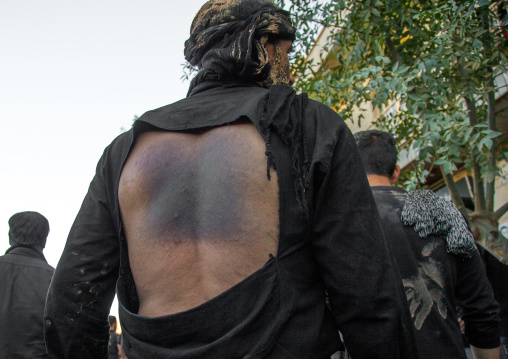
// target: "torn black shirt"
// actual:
[[280, 310]]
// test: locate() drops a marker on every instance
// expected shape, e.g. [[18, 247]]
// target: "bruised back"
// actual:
[[199, 214]]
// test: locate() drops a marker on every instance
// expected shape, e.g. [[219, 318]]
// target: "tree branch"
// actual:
[[501, 211], [479, 191], [491, 103], [394, 54], [454, 192], [491, 188]]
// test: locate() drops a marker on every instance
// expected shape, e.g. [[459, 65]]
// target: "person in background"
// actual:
[[24, 280], [437, 259], [115, 349]]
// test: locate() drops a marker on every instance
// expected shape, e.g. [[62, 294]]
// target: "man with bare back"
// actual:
[[224, 218]]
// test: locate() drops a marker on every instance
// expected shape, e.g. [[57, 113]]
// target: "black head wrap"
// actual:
[[225, 35]]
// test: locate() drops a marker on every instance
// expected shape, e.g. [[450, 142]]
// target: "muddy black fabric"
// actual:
[[279, 311], [224, 41], [24, 282], [436, 283]]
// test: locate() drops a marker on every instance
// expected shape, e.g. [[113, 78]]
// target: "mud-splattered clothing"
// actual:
[[436, 282], [24, 282], [277, 312]]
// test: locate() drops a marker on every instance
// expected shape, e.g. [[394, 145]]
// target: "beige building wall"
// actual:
[[501, 196]]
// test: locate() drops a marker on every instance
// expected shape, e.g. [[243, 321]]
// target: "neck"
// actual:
[[379, 180]]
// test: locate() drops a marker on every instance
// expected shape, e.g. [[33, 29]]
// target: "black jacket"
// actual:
[[24, 280]]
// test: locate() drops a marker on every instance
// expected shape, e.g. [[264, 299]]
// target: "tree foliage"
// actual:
[[437, 59]]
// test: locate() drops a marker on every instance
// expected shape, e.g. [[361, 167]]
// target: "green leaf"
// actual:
[[477, 44], [434, 138], [492, 134], [447, 167], [403, 69], [414, 97], [424, 152], [487, 142]]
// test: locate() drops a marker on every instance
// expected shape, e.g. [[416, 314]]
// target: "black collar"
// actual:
[[22, 250]]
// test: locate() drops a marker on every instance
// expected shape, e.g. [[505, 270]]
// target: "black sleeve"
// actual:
[[475, 297], [348, 242], [83, 286]]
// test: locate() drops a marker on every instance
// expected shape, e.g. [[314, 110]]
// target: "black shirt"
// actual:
[[436, 282], [24, 282], [279, 311]]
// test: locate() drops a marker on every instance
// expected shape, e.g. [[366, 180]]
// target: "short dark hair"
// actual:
[[378, 151], [28, 229], [112, 320]]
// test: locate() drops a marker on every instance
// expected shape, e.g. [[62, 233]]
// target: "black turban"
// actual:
[[224, 40]]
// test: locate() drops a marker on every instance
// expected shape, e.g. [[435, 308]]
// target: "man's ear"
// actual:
[[395, 175], [268, 46]]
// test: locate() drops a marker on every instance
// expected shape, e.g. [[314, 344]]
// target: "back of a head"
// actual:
[[28, 229], [378, 152], [225, 38]]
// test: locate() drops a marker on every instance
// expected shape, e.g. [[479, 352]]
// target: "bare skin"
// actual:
[[199, 214], [198, 210], [279, 61], [485, 353], [380, 180]]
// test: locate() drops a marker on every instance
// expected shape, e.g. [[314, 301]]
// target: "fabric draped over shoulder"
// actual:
[[283, 112], [430, 214], [225, 39]]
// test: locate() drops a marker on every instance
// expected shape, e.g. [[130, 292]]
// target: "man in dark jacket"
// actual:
[[24, 280], [437, 259], [115, 349], [224, 217]]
